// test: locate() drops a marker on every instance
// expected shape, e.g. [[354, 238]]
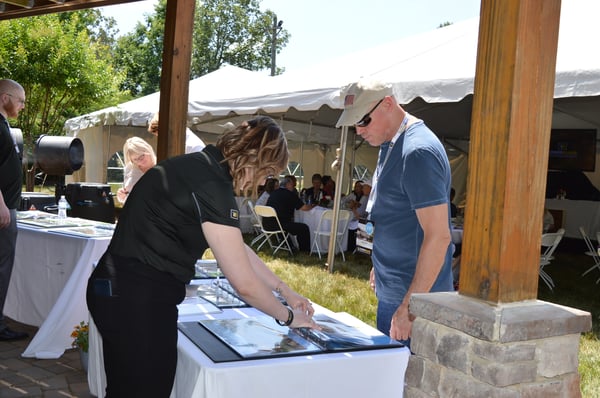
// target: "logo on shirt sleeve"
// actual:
[[234, 214]]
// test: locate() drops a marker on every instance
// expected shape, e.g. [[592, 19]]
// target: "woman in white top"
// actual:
[[139, 158]]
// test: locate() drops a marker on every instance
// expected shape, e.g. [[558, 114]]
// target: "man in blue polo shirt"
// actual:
[[409, 203]]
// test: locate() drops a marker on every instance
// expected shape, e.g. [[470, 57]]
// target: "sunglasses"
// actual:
[[366, 119]]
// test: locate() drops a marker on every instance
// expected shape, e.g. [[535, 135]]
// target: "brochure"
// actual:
[[364, 236], [262, 337], [221, 294], [92, 231], [40, 219]]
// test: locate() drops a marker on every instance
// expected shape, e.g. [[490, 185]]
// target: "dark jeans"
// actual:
[[300, 230], [138, 324], [385, 312], [302, 233], [351, 240], [8, 243]]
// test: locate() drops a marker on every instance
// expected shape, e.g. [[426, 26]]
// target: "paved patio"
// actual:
[[47, 378]]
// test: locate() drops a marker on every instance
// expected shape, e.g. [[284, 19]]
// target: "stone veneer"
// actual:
[[464, 347]]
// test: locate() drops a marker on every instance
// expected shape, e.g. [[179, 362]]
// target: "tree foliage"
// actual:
[[60, 68], [234, 32]]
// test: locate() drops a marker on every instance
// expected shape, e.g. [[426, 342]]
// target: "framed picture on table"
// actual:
[[364, 236]]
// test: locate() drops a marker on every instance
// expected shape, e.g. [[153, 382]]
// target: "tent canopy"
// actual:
[[433, 75]]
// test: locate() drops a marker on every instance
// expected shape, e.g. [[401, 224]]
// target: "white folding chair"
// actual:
[[550, 241], [246, 216], [256, 226], [324, 229], [280, 236], [592, 252]]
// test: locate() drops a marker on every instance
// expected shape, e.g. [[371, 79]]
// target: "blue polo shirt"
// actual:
[[416, 175]]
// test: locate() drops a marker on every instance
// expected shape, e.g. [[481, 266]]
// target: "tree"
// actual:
[[59, 66], [233, 32]]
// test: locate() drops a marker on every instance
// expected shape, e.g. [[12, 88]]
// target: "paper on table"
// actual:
[[196, 306]]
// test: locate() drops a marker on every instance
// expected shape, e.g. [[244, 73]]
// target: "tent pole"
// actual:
[[340, 164]]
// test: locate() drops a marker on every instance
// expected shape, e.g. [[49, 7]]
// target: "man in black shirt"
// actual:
[[12, 101], [284, 200]]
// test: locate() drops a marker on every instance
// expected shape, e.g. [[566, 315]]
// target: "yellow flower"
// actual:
[[80, 335]]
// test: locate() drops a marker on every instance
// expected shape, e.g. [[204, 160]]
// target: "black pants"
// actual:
[[302, 233], [351, 240], [138, 324]]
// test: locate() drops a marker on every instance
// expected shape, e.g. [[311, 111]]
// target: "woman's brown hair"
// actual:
[[258, 145]]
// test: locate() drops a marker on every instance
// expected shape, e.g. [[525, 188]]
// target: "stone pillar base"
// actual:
[[464, 347]]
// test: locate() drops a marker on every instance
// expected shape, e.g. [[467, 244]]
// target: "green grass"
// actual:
[[347, 289]]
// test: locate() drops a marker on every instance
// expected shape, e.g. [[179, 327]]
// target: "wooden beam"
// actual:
[[510, 135], [175, 78], [20, 3], [51, 6]]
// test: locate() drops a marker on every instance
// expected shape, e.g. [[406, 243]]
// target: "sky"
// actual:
[[324, 29]]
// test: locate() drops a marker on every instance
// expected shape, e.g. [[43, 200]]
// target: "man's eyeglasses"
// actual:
[[366, 119], [21, 101]]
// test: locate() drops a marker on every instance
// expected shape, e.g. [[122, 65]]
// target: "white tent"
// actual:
[[433, 76]]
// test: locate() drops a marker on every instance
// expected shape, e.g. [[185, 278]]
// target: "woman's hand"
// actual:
[[304, 320], [122, 194], [296, 301]]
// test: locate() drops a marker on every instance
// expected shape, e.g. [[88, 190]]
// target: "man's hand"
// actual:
[[401, 323], [4, 215]]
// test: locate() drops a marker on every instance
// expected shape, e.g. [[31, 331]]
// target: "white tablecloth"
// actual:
[[457, 235], [374, 373], [311, 218], [577, 213], [47, 286]]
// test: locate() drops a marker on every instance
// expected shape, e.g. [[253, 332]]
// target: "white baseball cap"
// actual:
[[359, 98]]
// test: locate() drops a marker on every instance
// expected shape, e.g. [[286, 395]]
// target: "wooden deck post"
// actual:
[[175, 77], [510, 134]]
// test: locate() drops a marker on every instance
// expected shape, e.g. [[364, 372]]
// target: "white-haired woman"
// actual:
[[139, 158]]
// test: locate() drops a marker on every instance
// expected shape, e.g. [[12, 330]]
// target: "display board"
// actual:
[[225, 340]]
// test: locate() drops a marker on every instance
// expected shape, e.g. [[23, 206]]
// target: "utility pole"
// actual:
[[276, 29]]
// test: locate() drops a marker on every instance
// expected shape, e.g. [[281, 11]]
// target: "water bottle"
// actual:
[[62, 207]]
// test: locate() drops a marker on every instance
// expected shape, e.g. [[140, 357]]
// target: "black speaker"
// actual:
[[58, 155], [40, 201], [91, 201]]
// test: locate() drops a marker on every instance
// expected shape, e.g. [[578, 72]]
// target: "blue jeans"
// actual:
[[385, 312]]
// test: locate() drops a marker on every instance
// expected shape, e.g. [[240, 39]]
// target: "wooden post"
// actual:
[[510, 135], [175, 78]]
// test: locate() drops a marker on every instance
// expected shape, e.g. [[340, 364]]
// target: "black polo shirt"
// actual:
[[161, 221], [11, 170]]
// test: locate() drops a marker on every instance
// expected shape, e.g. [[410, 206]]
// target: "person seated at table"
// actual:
[[453, 208], [548, 222], [314, 194], [193, 143], [295, 181], [178, 209], [356, 202], [285, 201], [271, 185], [139, 158], [328, 191]]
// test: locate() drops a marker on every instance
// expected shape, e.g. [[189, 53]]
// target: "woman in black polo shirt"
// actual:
[[176, 211]]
